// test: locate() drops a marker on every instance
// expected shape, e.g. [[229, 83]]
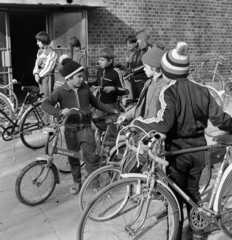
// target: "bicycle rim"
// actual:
[[213, 80], [27, 190], [6, 110], [225, 206], [31, 128], [161, 221], [97, 181]]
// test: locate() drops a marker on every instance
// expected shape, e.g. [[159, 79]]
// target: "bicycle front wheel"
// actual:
[[213, 80], [225, 206], [35, 183], [5, 110], [99, 179], [160, 221], [31, 128]]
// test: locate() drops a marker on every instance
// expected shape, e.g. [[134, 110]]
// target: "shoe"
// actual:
[[75, 189]]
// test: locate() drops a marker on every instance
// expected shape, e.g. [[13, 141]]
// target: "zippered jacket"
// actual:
[[109, 76], [67, 98], [186, 107]]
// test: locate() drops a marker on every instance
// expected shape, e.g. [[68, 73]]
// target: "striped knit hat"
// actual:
[[70, 68], [175, 63]]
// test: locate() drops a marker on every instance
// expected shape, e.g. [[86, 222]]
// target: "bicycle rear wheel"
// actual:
[[120, 212], [31, 128], [225, 206], [33, 187], [213, 80], [6, 110]]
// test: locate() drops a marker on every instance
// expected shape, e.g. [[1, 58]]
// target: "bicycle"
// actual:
[[122, 160], [9, 93], [37, 180], [146, 207], [29, 123]]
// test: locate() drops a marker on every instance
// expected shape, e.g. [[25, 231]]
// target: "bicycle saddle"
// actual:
[[106, 119], [31, 89], [225, 138]]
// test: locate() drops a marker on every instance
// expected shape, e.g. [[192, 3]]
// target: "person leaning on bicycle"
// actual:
[[185, 110], [74, 93]]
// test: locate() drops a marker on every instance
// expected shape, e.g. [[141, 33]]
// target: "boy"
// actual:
[[45, 66], [109, 79], [78, 133], [148, 103], [185, 109]]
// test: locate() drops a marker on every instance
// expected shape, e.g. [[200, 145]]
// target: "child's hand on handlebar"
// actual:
[[65, 111], [121, 118]]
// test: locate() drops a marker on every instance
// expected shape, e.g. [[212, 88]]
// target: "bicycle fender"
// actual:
[[56, 171], [140, 175], [224, 176]]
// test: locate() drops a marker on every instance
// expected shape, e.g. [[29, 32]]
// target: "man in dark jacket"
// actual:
[[78, 133], [185, 110]]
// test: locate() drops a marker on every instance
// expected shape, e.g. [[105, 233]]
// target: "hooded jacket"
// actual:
[[186, 107]]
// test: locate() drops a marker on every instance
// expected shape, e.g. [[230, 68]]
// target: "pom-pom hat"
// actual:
[[175, 63], [70, 68]]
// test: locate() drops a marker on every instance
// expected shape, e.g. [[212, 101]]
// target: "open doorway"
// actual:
[[24, 25]]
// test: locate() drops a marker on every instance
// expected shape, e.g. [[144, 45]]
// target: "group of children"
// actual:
[[169, 103]]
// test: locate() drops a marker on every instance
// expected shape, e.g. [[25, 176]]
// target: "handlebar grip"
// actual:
[[158, 159]]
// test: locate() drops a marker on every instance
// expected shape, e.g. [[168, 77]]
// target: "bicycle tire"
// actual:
[[212, 79], [97, 180], [205, 179], [225, 221], [115, 227], [31, 128], [19, 186], [6, 108], [211, 130]]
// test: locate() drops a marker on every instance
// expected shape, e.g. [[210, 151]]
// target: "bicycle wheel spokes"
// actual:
[[100, 180], [225, 206], [123, 210], [32, 128], [34, 185]]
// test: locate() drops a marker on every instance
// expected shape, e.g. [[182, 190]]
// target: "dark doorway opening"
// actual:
[[24, 25]]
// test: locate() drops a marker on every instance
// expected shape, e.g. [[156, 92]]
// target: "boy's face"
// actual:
[[148, 70], [103, 62], [40, 44], [77, 79]]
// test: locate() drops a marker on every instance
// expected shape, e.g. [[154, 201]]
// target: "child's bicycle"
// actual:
[[37, 180], [143, 206]]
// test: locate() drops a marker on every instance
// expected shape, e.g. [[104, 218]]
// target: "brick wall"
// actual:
[[206, 25]]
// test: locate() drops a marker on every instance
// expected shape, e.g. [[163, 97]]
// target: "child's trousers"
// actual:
[[83, 138]]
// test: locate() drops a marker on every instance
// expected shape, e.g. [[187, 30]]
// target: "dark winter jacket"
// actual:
[[109, 76], [67, 98], [185, 109]]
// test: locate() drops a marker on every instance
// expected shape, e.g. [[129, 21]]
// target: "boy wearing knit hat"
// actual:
[[185, 110], [148, 103], [74, 93]]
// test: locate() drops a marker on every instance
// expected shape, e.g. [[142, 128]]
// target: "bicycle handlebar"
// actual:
[[14, 81]]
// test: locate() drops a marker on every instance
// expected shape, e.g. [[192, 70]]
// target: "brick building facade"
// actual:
[[206, 25]]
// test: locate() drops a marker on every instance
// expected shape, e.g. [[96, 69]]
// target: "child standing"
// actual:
[[109, 79], [78, 133]]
